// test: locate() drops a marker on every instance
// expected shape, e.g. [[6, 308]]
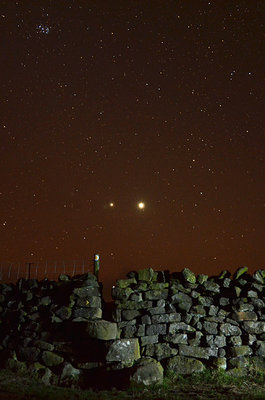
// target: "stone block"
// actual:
[[156, 294], [147, 372], [240, 271], [145, 340], [229, 329], [196, 352], [188, 275], [124, 283], [244, 316], [156, 329], [254, 327], [238, 351], [184, 365], [163, 350], [87, 313], [118, 293], [178, 338], [175, 327], [147, 275], [51, 359], [125, 351], [163, 318], [130, 314], [86, 291], [102, 330], [210, 327]]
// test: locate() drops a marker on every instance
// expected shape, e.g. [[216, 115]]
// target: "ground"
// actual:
[[201, 386]]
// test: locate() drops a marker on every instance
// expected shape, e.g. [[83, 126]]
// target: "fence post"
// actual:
[[96, 265], [29, 264]]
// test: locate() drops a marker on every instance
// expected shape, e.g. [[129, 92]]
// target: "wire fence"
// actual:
[[11, 272]]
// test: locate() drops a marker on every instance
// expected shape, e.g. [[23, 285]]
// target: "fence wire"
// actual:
[[11, 272]]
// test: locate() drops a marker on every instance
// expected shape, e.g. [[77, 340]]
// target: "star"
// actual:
[[141, 205]]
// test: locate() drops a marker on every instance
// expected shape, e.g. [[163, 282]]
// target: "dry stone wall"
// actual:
[[189, 322], [160, 321]]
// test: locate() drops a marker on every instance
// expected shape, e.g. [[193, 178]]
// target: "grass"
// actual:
[[205, 385]]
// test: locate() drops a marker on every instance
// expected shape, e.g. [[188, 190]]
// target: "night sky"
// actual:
[[108, 104]]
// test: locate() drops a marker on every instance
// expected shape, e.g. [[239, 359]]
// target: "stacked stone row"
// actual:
[[217, 321], [38, 320]]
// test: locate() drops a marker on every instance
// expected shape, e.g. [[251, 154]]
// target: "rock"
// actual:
[[102, 330], [237, 372], [136, 297], [147, 275], [124, 283], [213, 310], [238, 362], [258, 276], [42, 373], [156, 329], [87, 313], [175, 327], [244, 316], [210, 327], [227, 282], [234, 340], [163, 350], [70, 376], [121, 294], [125, 351], [45, 301], [229, 329], [178, 338], [220, 363], [86, 291], [158, 285], [20, 367], [141, 330], [224, 301], [129, 314], [198, 310], [202, 278], [212, 286], [252, 294], [196, 352], [156, 294], [188, 275], [240, 271], [255, 328], [93, 302], [43, 345], [238, 351], [184, 365], [260, 349], [63, 312], [196, 341], [51, 359], [257, 364], [147, 372], [30, 354], [146, 319], [220, 341], [172, 317], [148, 340]]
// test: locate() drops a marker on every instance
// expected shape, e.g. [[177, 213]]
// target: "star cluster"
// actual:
[[135, 130]]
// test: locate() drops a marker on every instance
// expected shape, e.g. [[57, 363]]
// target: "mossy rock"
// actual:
[[240, 271], [188, 275], [148, 371], [184, 365], [51, 359], [147, 274]]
